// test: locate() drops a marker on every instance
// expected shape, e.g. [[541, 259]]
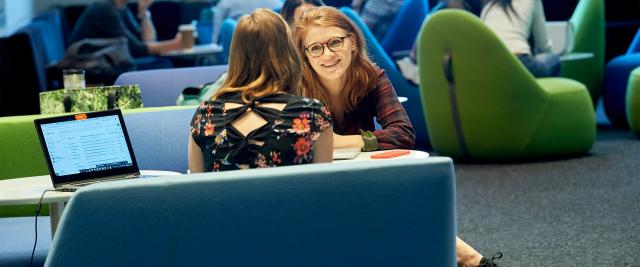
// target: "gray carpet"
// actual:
[[572, 212]]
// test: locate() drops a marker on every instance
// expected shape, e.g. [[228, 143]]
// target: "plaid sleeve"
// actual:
[[397, 131]]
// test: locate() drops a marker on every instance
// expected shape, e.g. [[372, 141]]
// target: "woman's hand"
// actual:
[[347, 141]]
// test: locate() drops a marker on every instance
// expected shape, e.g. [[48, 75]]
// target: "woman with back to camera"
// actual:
[[253, 120], [515, 22], [293, 9], [337, 71]]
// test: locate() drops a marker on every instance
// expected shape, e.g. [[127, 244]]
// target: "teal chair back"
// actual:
[[226, 35], [398, 212], [589, 33], [482, 103], [405, 26], [413, 106]]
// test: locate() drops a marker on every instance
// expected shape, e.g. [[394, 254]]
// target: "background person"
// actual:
[[112, 19], [378, 14], [253, 120], [293, 9], [515, 22]]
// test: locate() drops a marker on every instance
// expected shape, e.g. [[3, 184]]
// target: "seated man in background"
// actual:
[[112, 19]]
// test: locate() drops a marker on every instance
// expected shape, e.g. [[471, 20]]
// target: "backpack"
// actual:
[[192, 96], [102, 59]]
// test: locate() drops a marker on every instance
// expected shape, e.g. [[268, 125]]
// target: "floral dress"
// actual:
[[286, 139]]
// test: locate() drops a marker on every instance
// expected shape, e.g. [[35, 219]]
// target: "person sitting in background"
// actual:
[[515, 22], [378, 14], [337, 71], [293, 9], [233, 9], [253, 120], [112, 19]]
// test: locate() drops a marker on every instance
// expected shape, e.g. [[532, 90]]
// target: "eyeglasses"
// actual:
[[334, 44]]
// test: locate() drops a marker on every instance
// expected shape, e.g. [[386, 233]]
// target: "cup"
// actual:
[[73, 78], [188, 32]]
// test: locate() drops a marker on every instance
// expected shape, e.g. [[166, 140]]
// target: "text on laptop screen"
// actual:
[[87, 145]]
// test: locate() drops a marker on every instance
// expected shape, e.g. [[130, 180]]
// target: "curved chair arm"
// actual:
[[635, 44], [589, 34]]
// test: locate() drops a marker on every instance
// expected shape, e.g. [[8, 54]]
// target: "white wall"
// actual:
[[17, 14]]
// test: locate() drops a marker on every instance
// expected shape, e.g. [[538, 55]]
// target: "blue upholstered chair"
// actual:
[[17, 236], [413, 106], [205, 25], [616, 76], [163, 86], [405, 26], [226, 35], [395, 212]]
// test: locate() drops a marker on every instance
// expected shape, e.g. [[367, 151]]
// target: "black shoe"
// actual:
[[484, 262]]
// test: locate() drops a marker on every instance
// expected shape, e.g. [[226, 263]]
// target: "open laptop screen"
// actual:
[[86, 146]]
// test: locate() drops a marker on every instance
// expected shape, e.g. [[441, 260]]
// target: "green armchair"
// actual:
[[481, 103], [588, 23]]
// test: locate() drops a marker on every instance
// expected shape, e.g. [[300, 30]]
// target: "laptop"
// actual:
[[561, 35], [86, 148]]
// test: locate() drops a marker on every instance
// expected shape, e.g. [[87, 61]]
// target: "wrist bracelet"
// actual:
[[370, 141]]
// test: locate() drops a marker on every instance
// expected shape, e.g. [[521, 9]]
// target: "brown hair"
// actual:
[[362, 73], [262, 58]]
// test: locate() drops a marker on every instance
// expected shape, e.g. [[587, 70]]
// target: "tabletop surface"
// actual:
[[575, 56], [29, 189], [196, 50]]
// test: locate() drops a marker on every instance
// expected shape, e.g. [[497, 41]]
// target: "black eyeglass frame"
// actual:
[[306, 48]]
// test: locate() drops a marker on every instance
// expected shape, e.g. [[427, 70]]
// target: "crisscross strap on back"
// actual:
[[243, 149]]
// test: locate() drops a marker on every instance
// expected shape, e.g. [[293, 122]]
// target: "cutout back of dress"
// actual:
[[275, 130]]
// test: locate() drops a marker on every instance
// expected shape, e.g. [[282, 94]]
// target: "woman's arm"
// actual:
[[539, 30], [397, 131], [161, 47], [323, 148], [196, 162]]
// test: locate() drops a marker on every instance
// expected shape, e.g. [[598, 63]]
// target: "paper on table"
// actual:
[[345, 153]]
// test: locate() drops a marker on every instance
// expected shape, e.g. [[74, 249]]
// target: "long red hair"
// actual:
[[262, 58], [362, 73]]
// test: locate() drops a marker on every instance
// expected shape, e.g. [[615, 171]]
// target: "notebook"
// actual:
[[345, 153], [86, 148]]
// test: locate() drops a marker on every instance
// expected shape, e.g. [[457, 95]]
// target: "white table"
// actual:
[[199, 54], [28, 190], [413, 154], [575, 56], [195, 50]]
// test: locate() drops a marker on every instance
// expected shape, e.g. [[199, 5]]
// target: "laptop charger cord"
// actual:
[[38, 209]]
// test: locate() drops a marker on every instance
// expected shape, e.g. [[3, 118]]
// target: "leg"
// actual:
[[55, 211], [466, 256], [541, 65]]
